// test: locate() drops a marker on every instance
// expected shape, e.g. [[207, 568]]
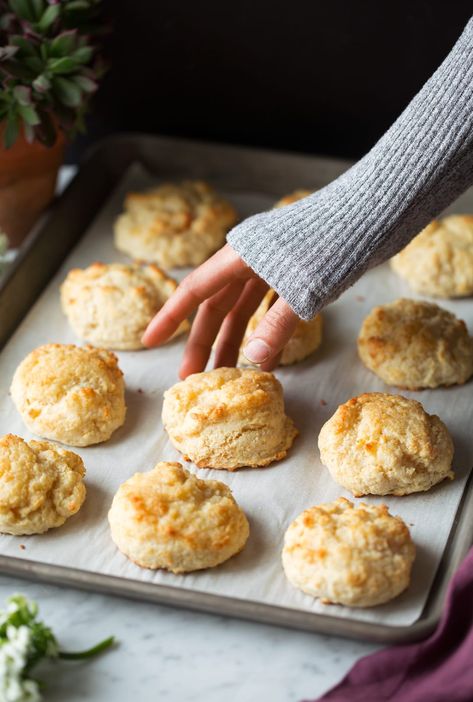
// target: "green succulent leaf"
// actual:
[[46, 131], [24, 44], [22, 9], [22, 95], [29, 132], [42, 83], [76, 5], [83, 55], [68, 93], [85, 84], [12, 130], [63, 44], [7, 52], [35, 64], [48, 18], [38, 7], [62, 65], [29, 115]]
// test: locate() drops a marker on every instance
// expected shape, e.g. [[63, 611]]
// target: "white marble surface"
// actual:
[[177, 655]]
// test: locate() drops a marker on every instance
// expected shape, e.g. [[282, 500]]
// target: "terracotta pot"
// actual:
[[28, 174]]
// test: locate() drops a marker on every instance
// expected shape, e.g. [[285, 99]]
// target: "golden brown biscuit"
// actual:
[[228, 418], [168, 518], [380, 444], [41, 485], [174, 224], [439, 261], [359, 556], [110, 305], [293, 197], [306, 338], [414, 344], [70, 394]]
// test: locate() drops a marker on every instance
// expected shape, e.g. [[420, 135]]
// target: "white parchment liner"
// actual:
[[271, 497]]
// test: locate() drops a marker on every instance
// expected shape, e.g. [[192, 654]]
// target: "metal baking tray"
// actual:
[[47, 248]]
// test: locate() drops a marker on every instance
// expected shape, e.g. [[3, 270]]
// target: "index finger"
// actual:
[[222, 268]]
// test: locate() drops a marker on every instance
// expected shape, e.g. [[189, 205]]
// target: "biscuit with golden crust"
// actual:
[[110, 305], [380, 444], [169, 518], [41, 485], [359, 556], [414, 344], [439, 260], [305, 339], [174, 224], [228, 418], [71, 394]]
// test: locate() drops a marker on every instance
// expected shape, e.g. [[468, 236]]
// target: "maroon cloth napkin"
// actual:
[[438, 669]]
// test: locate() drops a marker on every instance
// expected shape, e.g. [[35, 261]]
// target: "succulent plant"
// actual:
[[49, 66]]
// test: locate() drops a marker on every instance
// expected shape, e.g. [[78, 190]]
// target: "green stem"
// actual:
[[78, 655]]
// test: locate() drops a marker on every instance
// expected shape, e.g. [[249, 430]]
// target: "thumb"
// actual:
[[271, 334]]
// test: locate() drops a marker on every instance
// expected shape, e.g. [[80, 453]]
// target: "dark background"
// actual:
[[321, 77]]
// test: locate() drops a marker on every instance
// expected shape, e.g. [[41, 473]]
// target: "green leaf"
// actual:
[[46, 130], [25, 45], [90, 652], [35, 64], [63, 44], [22, 95], [77, 5], [29, 115], [83, 55], [62, 65], [29, 132], [85, 84], [22, 9], [48, 18], [68, 93], [42, 83], [11, 131], [38, 8]]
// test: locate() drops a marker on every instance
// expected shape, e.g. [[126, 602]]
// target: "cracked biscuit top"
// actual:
[[71, 394], [228, 418], [174, 224], [382, 444]]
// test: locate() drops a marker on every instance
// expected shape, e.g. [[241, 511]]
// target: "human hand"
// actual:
[[227, 292]]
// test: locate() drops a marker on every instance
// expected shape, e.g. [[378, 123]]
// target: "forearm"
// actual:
[[313, 250]]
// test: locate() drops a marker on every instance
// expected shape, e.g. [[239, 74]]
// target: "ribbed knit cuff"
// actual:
[[311, 251]]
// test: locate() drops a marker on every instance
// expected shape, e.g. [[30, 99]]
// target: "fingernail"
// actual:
[[257, 351]]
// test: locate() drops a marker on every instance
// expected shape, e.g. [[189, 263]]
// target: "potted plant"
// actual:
[[49, 67]]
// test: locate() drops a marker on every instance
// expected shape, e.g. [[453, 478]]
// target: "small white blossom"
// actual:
[[13, 658]]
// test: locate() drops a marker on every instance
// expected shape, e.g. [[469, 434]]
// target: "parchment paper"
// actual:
[[272, 496]]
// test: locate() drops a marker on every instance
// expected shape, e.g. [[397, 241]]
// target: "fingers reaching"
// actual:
[[221, 269], [236, 321], [205, 327], [271, 335]]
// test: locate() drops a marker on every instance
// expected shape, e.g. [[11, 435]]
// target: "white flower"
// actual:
[[13, 658]]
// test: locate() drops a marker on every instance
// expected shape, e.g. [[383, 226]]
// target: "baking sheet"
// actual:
[[271, 497]]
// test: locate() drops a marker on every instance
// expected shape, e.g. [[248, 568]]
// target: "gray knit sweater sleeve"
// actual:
[[311, 251]]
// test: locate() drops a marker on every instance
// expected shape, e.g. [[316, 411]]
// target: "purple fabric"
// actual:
[[439, 669]]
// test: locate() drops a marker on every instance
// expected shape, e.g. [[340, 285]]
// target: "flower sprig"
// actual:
[[49, 66], [24, 642]]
